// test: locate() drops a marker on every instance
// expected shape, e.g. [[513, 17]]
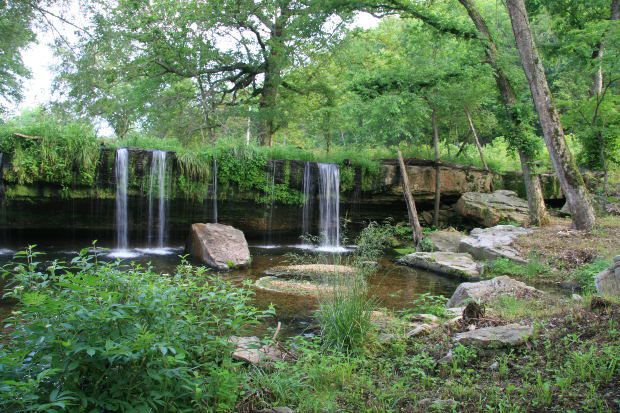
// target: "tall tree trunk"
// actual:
[[414, 221], [437, 169], [570, 179], [537, 210], [597, 55], [473, 131]]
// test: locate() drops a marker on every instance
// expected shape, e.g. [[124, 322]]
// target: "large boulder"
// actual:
[[489, 209], [607, 282], [494, 242], [446, 240], [449, 263], [219, 246], [494, 337], [489, 290]]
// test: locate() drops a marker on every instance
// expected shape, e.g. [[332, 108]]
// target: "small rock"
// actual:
[[446, 359], [471, 327], [425, 318], [494, 366], [422, 329], [484, 291], [276, 410], [577, 297], [492, 337]]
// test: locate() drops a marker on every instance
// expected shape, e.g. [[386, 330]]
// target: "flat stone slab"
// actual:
[[484, 291], [495, 337], [489, 209], [296, 287], [494, 242], [309, 270], [607, 282], [450, 263], [446, 241], [250, 350]]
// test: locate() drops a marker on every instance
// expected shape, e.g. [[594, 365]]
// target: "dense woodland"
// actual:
[[503, 85]]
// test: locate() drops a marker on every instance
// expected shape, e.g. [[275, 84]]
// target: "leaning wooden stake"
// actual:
[[411, 209], [473, 131]]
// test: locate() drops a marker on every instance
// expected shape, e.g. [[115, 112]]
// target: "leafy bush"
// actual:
[[102, 336], [586, 273], [43, 148], [428, 304]]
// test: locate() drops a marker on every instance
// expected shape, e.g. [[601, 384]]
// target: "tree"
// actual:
[[230, 48], [519, 138], [15, 20], [571, 181]]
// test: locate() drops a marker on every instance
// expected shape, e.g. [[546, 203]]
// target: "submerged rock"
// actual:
[[219, 246], [484, 291], [446, 240], [495, 242], [607, 282], [297, 287], [449, 263], [489, 209], [493, 337], [310, 270]]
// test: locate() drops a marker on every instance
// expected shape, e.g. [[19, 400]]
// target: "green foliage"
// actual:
[[505, 266], [427, 303], [106, 336], [58, 153], [586, 273]]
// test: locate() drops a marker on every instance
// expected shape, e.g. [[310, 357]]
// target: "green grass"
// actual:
[[585, 274], [532, 269]]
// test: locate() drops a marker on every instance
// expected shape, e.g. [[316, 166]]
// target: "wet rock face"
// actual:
[[607, 282], [484, 291], [493, 337], [494, 242], [489, 209], [449, 263], [219, 246]]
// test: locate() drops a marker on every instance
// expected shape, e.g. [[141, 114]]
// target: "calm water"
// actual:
[[393, 286]]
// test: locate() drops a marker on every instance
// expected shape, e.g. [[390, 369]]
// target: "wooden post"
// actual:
[[473, 131], [411, 209]]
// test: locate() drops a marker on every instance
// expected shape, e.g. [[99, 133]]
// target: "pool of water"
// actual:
[[392, 286]]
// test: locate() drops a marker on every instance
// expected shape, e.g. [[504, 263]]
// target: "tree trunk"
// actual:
[[437, 170], [570, 179], [537, 210], [411, 209], [473, 131]]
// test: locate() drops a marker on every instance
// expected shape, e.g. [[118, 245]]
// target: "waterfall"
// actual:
[[272, 193], [307, 208], [157, 180], [214, 190], [329, 205], [121, 171]]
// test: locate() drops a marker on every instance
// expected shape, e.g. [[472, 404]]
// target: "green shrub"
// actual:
[[94, 336], [585, 274]]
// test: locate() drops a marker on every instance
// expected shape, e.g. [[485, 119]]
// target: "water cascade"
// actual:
[[214, 190], [329, 206], [157, 182], [307, 208], [272, 192], [121, 169]]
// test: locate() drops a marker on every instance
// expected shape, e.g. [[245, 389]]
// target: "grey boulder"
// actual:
[[488, 290], [494, 242], [495, 337], [219, 246], [489, 209], [449, 263], [607, 282]]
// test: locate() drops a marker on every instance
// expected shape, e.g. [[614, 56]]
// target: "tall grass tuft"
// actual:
[[344, 313]]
